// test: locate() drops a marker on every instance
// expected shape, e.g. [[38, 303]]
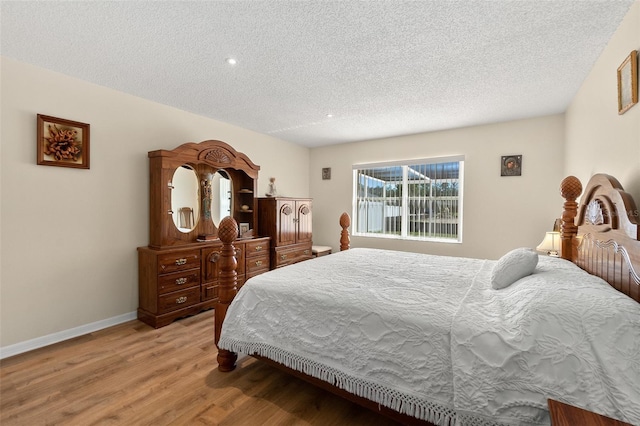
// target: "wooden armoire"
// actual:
[[288, 221]]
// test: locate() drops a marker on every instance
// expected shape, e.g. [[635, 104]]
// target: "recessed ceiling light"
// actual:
[[231, 61], [329, 115]]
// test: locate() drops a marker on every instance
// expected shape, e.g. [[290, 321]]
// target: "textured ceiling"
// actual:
[[381, 68]]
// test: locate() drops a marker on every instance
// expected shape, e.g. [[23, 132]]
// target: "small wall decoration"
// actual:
[[511, 165], [628, 83], [326, 173], [63, 143]]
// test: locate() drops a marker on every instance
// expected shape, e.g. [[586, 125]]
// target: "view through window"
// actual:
[[420, 199]]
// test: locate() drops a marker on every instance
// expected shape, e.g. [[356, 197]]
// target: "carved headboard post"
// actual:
[[345, 222], [570, 189]]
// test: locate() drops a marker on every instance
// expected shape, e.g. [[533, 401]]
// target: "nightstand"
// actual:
[[567, 415]]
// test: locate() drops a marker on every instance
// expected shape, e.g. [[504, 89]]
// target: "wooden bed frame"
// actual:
[[603, 240], [601, 236]]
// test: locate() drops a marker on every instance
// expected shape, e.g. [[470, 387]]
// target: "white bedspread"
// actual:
[[559, 333], [384, 325]]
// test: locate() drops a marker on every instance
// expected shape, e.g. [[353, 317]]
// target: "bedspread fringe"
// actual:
[[402, 403]]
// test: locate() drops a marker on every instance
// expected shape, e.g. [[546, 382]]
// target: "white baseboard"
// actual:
[[60, 336]]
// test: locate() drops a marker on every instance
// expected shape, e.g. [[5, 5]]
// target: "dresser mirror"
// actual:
[[185, 193], [221, 201], [193, 187]]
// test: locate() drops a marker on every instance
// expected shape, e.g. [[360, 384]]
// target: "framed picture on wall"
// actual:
[[628, 83], [63, 143], [326, 173], [511, 165]]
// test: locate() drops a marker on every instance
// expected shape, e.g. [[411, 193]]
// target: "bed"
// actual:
[[455, 340]]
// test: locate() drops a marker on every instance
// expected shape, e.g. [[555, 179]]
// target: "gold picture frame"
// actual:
[[62, 143], [628, 83]]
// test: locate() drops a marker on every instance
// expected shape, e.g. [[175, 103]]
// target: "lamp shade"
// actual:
[[550, 244]]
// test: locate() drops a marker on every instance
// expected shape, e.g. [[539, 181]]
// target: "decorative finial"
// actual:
[[228, 230], [345, 220], [570, 188]]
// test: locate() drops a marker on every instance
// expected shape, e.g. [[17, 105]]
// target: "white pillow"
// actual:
[[516, 264]]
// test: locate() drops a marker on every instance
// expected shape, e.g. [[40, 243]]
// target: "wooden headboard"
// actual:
[[602, 234]]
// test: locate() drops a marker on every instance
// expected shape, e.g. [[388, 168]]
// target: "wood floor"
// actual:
[[132, 374]]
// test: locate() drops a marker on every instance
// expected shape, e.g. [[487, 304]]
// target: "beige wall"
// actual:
[[69, 236], [500, 213], [598, 140], [590, 138]]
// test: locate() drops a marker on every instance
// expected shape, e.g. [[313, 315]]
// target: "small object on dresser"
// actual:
[[272, 188], [244, 229]]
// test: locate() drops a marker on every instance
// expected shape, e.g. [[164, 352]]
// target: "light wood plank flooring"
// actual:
[[132, 374]]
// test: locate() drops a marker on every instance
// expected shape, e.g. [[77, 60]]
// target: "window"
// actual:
[[417, 199]]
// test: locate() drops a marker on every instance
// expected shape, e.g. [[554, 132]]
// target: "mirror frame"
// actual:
[[205, 157]]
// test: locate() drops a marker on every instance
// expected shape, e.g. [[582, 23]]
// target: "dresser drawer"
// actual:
[[178, 261], [178, 280], [256, 248], [212, 290], [178, 299], [292, 254], [256, 265]]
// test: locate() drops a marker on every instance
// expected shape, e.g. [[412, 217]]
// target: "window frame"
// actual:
[[404, 227]]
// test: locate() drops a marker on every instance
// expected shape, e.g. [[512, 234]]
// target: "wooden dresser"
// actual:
[[288, 221], [174, 283], [193, 188]]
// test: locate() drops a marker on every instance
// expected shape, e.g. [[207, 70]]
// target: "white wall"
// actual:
[[598, 140], [69, 236], [500, 213]]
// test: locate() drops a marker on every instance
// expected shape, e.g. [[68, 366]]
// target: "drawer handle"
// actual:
[[258, 248], [180, 300], [258, 262], [306, 252], [181, 261], [283, 256], [215, 256], [181, 281]]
